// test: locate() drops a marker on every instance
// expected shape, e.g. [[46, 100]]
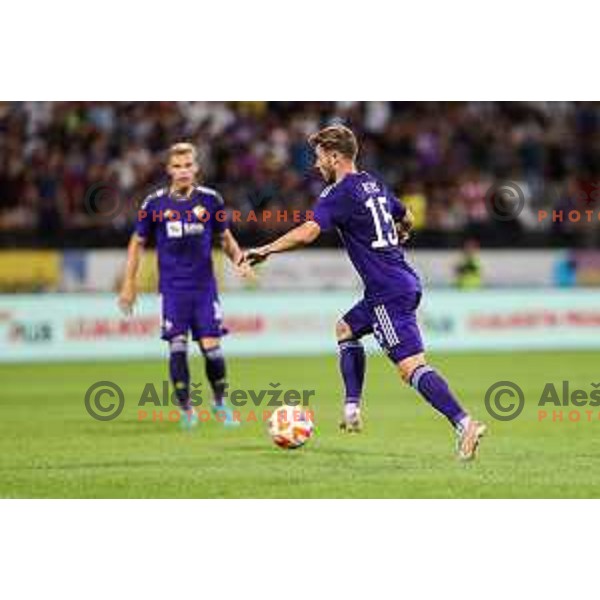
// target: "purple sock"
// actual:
[[352, 367], [180, 374], [433, 387], [214, 363]]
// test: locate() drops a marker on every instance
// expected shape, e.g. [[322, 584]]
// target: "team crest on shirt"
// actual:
[[174, 229], [199, 211], [177, 229]]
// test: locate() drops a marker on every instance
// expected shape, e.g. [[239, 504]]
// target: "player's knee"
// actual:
[[212, 352], [408, 365], [342, 331], [178, 344], [208, 344]]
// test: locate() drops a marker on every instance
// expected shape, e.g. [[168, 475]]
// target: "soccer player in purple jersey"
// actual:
[[183, 218], [372, 224]]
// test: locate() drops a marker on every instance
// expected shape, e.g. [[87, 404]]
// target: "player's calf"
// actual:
[[214, 362], [352, 368], [180, 377], [214, 366], [179, 371], [434, 388]]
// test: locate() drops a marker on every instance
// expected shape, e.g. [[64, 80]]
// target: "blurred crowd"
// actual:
[[64, 164]]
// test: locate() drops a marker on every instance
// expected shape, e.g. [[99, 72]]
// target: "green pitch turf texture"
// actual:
[[51, 448]]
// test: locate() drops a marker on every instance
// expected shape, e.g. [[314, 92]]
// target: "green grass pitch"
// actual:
[[50, 447]]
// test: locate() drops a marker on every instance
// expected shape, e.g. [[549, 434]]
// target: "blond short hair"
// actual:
[[336, 137], [181, 148]]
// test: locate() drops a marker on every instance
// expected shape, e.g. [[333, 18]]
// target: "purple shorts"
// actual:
[[393, 322], [198, 312]]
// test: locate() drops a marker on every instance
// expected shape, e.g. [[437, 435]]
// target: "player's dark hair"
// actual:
[[336, 137]]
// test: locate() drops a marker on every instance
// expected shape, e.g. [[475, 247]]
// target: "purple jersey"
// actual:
[[183, 228], [364, 213]]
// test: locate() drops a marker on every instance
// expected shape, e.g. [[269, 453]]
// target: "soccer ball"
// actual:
[[290, 427]]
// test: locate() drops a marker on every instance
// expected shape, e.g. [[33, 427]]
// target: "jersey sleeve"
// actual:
[[221, 221], [144, 222], [328, 211]]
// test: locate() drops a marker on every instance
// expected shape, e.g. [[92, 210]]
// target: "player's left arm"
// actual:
[[227, 240], [235, 255], [403, 218], [303, 235], [405, 225], [231, 247]]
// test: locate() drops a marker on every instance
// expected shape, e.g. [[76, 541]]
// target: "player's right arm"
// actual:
[[128, 294], [302, 235], [324, 218], [143, 228]]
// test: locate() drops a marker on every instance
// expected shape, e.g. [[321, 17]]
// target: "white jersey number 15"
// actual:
[[381, 217]]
